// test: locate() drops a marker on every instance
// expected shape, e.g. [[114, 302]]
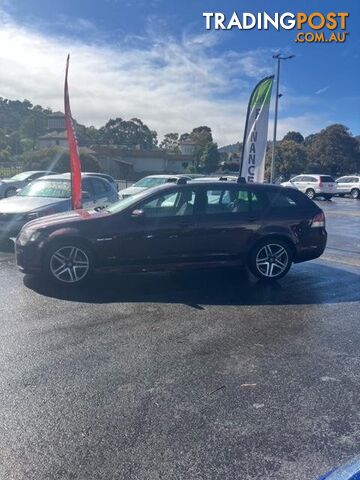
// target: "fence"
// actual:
[[8, 170]]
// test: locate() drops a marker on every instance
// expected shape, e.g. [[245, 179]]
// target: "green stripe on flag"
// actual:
[[262, 94]]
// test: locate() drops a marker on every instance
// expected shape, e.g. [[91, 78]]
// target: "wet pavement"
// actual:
[[204, 375]]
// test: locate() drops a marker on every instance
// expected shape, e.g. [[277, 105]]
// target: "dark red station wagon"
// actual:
[[178, 226]]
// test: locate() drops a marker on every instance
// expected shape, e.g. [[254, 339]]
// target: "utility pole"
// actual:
[[278, 58]]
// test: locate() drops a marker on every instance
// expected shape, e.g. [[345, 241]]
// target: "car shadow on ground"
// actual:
[[312, 283]]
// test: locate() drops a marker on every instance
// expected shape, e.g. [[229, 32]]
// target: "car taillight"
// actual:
[[318, 220]]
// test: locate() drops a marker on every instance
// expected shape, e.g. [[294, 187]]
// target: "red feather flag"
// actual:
[[76, 190]]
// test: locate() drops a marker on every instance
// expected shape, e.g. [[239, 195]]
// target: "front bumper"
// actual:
[[28, 258]]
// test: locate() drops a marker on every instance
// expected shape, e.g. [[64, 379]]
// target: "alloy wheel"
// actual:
[[272, 260], [69, 264], [310, 193]]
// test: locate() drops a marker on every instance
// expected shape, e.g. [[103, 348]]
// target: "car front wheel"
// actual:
[[270, 259], [10, 192], [355, 193], [69, 263]]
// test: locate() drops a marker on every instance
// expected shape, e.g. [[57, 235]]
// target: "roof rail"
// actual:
[[181, 181], [241, 179]]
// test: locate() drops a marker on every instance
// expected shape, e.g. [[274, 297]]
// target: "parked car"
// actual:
[[107, 177], [178, 226], [150, 182], [9, 186], [349, 185], [49, 195], [313, 185]]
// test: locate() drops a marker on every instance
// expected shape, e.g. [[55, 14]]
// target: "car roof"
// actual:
[[175, 175], [65, 176], [215, 183]]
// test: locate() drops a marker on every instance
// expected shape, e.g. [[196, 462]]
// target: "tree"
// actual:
[[294, 136], [201, 135], [170, 143], [209, 158], [290, 159], [130, 133], [334, 150]]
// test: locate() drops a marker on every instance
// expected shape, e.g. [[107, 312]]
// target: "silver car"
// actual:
[[9, 186], [349, 185], [49, 195], [313, 185], [149, 182]]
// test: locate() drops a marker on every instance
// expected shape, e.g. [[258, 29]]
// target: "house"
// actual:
[[133, 164], [56, 132], [187, 147], [52, 139]]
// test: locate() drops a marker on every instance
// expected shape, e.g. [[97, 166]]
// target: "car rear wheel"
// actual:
[[310, 192], [355, 193], [69, 263], [270, 259], [10, 192]]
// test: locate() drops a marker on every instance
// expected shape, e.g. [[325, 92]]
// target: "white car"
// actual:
[[349, 185], [149, 182], [9, 186], [313, 185]]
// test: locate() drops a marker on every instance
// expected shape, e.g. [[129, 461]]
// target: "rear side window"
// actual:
[[309, 179], [288, 200], [327, 179], [232, 200]]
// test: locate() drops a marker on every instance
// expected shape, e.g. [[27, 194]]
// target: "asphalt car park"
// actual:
[[184, 375]]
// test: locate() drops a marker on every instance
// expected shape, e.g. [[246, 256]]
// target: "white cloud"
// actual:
[[171, 84], [322, 90]]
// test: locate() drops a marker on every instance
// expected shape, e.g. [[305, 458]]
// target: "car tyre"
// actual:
[[69, 263], [310, 192], [270, 259], [355, 193], [10, 192]]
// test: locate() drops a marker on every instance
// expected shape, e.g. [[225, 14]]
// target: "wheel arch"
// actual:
[[274, 236], [56, 239]]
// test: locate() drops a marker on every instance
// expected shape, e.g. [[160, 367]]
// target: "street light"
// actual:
[[278, 57]]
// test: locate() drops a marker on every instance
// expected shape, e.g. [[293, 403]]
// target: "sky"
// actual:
[[154, 60]]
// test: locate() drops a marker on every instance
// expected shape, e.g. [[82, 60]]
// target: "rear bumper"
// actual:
[[313, 247]]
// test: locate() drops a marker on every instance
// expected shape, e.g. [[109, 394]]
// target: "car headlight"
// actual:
[[28, 235]]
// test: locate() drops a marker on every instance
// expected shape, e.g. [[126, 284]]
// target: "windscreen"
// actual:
[[47, 188], [327, 179]]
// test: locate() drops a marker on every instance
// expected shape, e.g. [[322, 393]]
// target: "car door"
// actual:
[[308, 182], [297, 182], [160, 230], [88, 194], [228, 223], [343, 185]]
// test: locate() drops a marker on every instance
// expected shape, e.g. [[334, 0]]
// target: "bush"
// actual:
[[57, 159]]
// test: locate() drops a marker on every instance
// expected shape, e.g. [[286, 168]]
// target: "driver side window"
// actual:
[[173, 204]]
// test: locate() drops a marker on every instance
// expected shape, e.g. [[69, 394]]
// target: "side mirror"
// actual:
[[137, 213], [86, 195]]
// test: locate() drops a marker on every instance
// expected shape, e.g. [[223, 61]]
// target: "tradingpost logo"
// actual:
[[315, 27]]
